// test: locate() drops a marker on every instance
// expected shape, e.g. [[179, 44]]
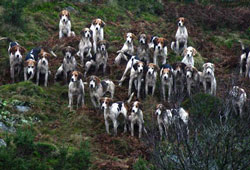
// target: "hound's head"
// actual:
[[159, 109], [136, 106], [143, 39], [181, 21], [86, 33], [105, 103], [166, 72], [102, 45], [98, 24], [179, 68], [64, 16], [31, 66], [208, 69], [94, 81], [160, 43], [190, 52], [44, 56], [17, 51], [152, 68], [68, 52], [139, 67], [190, 71], [129, 37], [76, 76]]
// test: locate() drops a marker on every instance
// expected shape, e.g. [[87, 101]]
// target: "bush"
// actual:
[[202, 105], [141, 164], [22, 152], [13, 11]]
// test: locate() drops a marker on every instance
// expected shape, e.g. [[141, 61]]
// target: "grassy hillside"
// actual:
[[214, 30]]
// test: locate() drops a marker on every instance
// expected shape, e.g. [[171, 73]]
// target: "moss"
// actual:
[[198, 61]]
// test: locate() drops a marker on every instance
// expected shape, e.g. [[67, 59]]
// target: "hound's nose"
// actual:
[[165, 78], [188, 55], [72, 79], [64, 20], [133, 110], [96, 28], [102, 49], [178, 71], [208, 72], [141, 41], [88, 35], [179, 24], [159, 47], [102, 108], [44, 62], [91, 86], [17, 55]]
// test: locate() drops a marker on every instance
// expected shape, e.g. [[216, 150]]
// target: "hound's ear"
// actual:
[[68, 15], [147, 39], [97, 80], [26, 63], [98, 43], [133, 36], [82, 33], [88, 79], [35, 62], [94, 22], [213, 67], [103, 23], [194, 51], [60, 14], [102, 99], [110, 102], [155, 41], [156, 67], [161, 72], [204, 65], [135, 66], [12, 50], [125, 36], [165, 42], [80, 76], [183, 65], [73, 51], [184, 52], [195, 70], [22, 50], [140, 105], [107, 44], [91, 32], [174, 66], [64, 51]]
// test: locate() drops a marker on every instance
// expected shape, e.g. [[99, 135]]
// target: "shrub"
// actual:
[[13, 11], [141, 164]]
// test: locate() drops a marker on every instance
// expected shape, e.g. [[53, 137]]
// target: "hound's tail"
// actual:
[[128, 55], [130, 98], [5, 38], [242, 45]]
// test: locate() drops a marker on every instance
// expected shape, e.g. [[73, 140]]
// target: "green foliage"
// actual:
[[13, 11], [141, 164], [202, 104], [23, 152]]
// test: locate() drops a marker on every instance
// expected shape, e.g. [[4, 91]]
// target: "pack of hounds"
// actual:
[[144, 66]]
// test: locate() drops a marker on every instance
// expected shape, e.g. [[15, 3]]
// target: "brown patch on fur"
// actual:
[[138, 104], [16, 48], [64, 12], [182, 19], [98, 21], [103, 42], [77, 74], [30, 63], [162, 41], [69, 49], [179, 65], [98, 81]]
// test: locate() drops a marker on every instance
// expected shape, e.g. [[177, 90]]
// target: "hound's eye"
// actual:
[[136, 106], [32, 66], [106, 103], [85, 31]]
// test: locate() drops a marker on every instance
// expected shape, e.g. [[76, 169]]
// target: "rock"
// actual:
[[22, 108], [2, 143], [5, 128]]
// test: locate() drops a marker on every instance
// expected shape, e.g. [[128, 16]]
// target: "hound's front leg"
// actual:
[[107, 126], [132, 127], [169, 93], [163, 93], [161, 131], [146, 88], [130, 86], [65, 77], [140, 129], [138, 88], [79, 101], [12, 74], [46, 78], [37, 77], [70, 101], [115, 126], [153, 90]]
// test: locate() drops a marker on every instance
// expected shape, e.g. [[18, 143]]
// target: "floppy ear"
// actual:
[[82, 32], [68, 15], [194, 51], [135, 66], [98, 81], [26, 63], [107, 44], [125, 36], [94, 22], [164, 42], [91, 32], [102, 99], [140, 105], [155, 41], [22, 50], [60, 14], [133, 36], [204, 65], [64, 51], [88, 79], [110, 102], [184, 52], [183, 65], [213, 67], [161, 72], [103, 23], [12, 50], [98, 44], [35, 62], [79, 75], [174, 66], [73, 51], [157, 68]]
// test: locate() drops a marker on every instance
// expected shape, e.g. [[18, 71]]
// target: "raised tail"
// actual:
[[242, 45], [130, 98]]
